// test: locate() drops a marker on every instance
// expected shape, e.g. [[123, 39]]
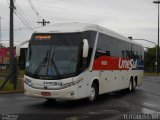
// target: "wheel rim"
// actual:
[[130, 86], [134, 84], [93, 93]]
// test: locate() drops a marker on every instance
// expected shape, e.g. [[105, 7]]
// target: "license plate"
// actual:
[[45, 93]]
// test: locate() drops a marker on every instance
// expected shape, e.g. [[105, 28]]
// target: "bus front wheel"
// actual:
[[93, 93]]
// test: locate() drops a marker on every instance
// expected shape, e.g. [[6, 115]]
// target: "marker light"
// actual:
[[28, 82]]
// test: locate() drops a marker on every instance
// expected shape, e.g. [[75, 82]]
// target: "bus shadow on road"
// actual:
[[83, 102], [105, 99]]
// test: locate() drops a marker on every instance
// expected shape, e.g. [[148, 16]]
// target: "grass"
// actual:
[[151, 74], [9, 85]]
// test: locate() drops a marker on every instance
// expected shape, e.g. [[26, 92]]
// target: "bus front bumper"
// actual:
[[69, 93]]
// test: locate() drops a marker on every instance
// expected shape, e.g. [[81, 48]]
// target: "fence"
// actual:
[[4, 68]]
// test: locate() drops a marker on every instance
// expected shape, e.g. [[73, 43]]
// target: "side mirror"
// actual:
[[85, 48], [18, 47]]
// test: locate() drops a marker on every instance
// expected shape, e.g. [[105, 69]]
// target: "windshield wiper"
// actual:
[[53, 62], [44, 60]]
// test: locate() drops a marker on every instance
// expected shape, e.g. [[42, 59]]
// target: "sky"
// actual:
[[136, 18]]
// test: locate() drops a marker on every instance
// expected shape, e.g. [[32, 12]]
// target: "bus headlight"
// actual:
[[71, 83], [77, 81]]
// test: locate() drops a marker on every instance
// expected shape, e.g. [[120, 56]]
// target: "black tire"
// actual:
[[50, 100], [130, 87], [134, 85], [94, 93]]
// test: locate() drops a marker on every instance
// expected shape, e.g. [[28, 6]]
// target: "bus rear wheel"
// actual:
[[132, 86], [93, 93]]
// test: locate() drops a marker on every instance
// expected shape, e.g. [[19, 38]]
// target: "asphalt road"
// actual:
[[114, 106]]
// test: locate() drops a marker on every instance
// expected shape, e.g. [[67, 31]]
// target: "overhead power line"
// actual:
[[7, 2], [35, 10], [23, 21], [20, 11], [22, 17]]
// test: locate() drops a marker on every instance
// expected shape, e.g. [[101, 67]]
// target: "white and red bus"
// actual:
[[78, 60]]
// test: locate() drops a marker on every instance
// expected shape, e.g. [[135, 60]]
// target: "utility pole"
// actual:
[[44, 22], [11, 49], [12, 61], [158, 62]]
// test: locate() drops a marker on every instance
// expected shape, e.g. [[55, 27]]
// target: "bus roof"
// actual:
[[80, 27]]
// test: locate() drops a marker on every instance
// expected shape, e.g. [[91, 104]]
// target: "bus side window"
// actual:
[[123, 54], [127, 54], [132, 54], [102, 53]]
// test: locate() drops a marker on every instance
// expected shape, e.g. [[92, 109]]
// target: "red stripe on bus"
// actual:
[[112, 63]]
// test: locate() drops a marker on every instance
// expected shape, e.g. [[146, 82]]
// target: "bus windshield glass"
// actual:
[[52, 56]]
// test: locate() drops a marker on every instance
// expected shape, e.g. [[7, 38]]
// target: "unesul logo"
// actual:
[[52, 83], [127, 64]]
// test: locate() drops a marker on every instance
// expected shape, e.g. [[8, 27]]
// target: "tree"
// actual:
[[150, 59]]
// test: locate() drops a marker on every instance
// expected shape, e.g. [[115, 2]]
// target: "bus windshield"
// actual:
[[52, 56]]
